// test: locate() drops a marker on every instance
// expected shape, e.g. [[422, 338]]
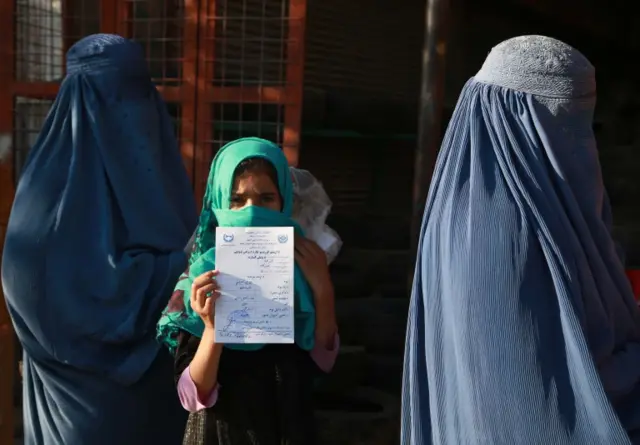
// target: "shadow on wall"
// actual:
[[370, 183], [5, 146]]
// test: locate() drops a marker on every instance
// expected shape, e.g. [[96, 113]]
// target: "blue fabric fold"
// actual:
[[94, 247], [522, 329]]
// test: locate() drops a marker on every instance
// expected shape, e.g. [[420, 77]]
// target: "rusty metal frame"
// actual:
[[194, 94], [295, 79], [289, 96], [122, 12], [205, 97], [185, 94], [40, 90], [67, 23], [210, 94], [108, 16]]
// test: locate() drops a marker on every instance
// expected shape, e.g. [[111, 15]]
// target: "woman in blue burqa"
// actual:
[[94, 247], [522, 327]]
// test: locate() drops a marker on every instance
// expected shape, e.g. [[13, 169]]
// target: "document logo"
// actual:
[[283, 239], [227, 237]]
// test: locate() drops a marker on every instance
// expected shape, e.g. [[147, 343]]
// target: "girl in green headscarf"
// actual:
[[249, 394]]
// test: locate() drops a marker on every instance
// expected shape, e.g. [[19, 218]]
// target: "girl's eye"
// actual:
[[236, 199], [268, 199]]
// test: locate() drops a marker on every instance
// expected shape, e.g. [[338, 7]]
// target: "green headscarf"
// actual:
[[178, 316]]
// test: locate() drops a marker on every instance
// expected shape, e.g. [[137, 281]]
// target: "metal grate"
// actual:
[[81, 18], [235, 120], [245, 70], [29, 116], [346, 170], [227, 68], [250, 43], [158, 26], [167, 30], [45, 29], [370, 47], [39, 40]]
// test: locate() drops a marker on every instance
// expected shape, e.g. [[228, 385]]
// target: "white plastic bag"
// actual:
[[311, 206]]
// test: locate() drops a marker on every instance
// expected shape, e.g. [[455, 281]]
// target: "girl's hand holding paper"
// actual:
[[204, 293]]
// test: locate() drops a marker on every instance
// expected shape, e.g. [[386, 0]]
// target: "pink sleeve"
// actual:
[[188, 394], [326, 358]]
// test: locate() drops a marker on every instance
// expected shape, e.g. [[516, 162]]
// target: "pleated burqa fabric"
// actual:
[[522, 327], [94, 247]]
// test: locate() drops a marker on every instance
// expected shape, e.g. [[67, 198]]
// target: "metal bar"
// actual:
[[188, 89], [34, 90], [204, 113], [123, 14], [210, 95], [108, 16], [7, 190], [249, 95], [49, 90], [295, 79], [263, 39], [430, 112], [242, 58], [68, 17], [282, 66]]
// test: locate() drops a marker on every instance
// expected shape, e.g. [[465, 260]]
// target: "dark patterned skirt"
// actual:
[[264, 398]]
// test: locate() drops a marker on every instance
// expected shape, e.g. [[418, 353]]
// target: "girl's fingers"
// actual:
[[311, 248], [205, 278], [203, 293], [201, 280], [298, 251], [308, 248], [319, 253], [299, 258], [206, 310], [309, 251], [301, 247], [315, 249], [212, 286]]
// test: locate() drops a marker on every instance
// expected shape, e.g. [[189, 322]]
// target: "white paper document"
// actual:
[[256, 282]]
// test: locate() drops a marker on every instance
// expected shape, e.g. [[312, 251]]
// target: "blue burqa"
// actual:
[[93, 250], [522, 327]]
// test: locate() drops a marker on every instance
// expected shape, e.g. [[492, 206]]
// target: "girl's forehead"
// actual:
[[254, 179]]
